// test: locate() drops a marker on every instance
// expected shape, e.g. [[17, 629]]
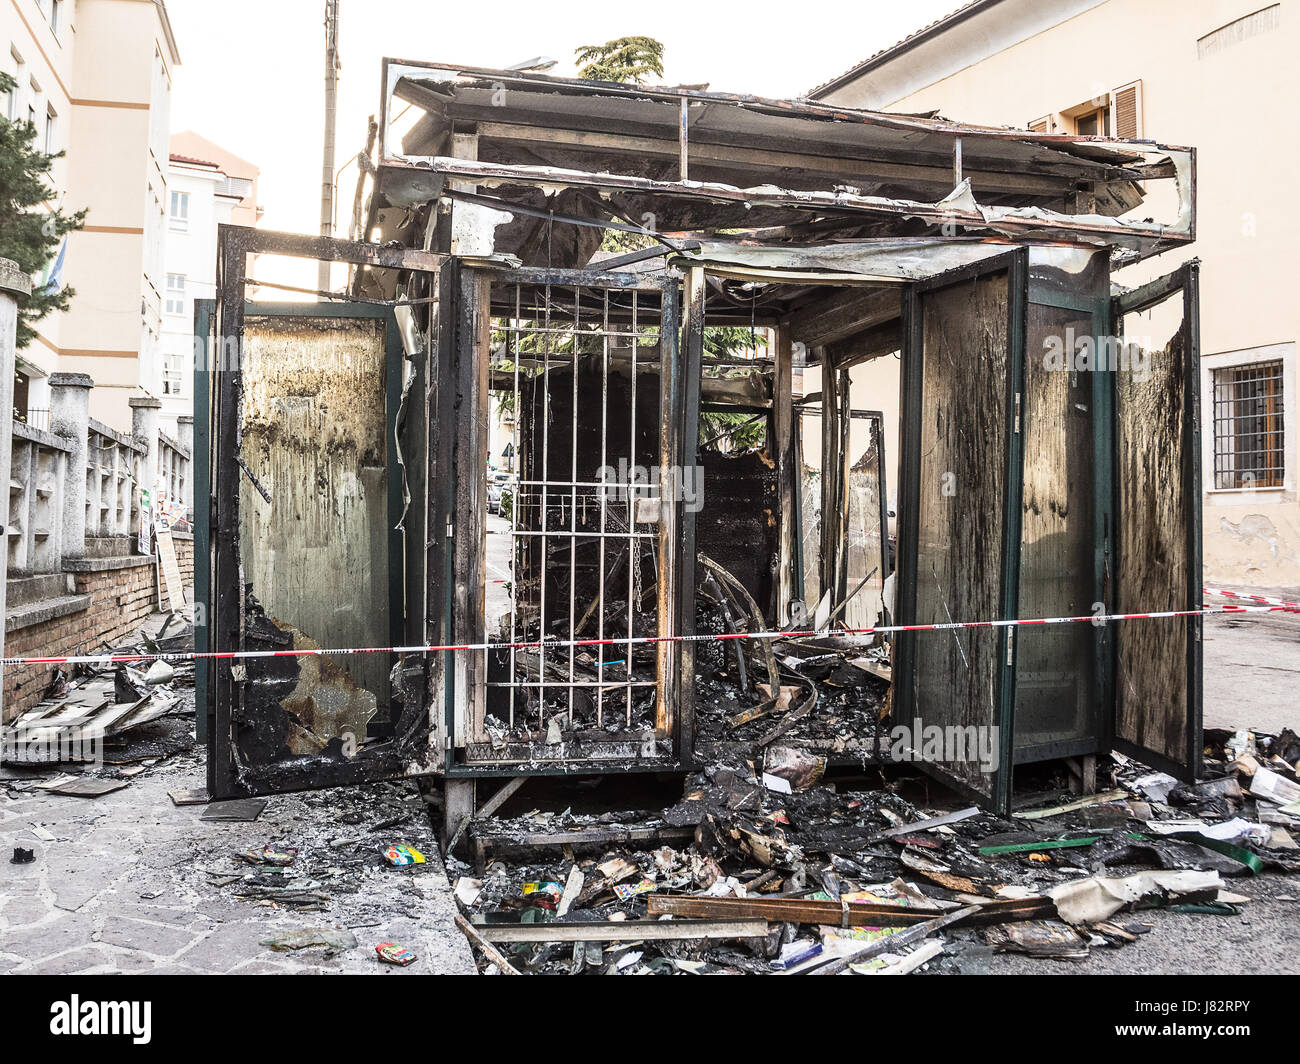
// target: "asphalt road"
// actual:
[[1252, 667]]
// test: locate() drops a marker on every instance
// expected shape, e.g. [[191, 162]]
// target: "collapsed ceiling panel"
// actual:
[[696, 161]]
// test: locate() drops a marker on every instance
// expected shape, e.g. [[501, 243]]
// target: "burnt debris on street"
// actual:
[[563, 579]]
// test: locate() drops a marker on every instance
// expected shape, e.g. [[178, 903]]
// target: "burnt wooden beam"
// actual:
[[489, 951], [893, 942], [659, 835], [469, 533], [327, 249], [833, 462], [764, 154], [843, 312], [623, 931], [1052, 162], [838, 201], [871, 343], [786, 470], [843, 914]]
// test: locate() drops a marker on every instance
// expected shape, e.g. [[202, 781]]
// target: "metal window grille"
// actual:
[[576, 370], [1248, 430]]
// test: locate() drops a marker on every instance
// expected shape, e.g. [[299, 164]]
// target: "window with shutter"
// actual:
[[1126, 106], [1040, 125]]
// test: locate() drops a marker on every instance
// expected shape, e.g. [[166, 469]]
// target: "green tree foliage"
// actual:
[[630, 59], [30, 232], [736, 432]]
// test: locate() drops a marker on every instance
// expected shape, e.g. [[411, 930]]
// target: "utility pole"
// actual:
[[327, 162]]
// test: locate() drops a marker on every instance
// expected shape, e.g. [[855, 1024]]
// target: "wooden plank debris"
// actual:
[[171, 588], [840, 914], [489, 951], [892, 942], [1070, 807], [624, 931], [660, 835], [926, 825]]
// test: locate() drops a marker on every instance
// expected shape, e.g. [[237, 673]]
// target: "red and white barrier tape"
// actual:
[[228, 655], [1264, 599]]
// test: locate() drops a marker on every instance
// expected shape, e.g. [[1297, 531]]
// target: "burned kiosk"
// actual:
[[655, 318]]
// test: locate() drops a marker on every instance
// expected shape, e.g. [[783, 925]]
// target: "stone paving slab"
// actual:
[[131, 882]]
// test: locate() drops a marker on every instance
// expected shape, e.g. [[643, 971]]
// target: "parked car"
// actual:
[[497, 482]]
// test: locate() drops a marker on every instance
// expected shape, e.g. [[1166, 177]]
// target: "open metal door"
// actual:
[[1157, 500], [307, 551], [959, 522]]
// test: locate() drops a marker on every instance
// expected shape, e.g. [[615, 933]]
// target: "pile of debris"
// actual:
[[767, 866], [96, 715], [826, 695], [354, 838]]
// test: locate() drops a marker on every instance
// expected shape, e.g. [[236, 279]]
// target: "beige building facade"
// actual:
[[202, 194], [1218, 75], [95, 77]]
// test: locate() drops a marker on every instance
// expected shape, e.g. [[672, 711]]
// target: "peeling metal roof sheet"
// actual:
[[602, 150]]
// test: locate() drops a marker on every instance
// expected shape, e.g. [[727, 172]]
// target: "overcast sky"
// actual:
[[252, 71]]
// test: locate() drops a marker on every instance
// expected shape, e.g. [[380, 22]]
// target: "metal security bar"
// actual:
[[577, 368], [1248, 430]]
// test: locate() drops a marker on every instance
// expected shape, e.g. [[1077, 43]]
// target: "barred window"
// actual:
[[1248, 443]]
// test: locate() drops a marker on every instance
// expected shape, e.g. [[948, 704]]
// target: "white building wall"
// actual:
[[191, 254]]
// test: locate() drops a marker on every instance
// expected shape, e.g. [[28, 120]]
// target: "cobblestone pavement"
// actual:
[[133, 883]]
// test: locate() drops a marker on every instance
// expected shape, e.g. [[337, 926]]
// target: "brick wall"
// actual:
[[185, 557], [120, 599]]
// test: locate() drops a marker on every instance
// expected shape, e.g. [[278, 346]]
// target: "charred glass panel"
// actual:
[[1157, 500], [314, 515], [1055, 678], [960, 492]]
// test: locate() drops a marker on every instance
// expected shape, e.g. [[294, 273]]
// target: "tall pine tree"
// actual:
[[630, 59], [30, 232]]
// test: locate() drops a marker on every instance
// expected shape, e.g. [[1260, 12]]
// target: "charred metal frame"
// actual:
[[838, 462], [219, 570], [796, 244], [565, 316], [463, 357], [1184, 281], [1101, 160], [1015, 264]]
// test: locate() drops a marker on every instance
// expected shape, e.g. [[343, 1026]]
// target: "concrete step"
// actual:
[[28, 589]]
